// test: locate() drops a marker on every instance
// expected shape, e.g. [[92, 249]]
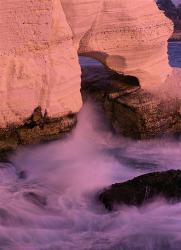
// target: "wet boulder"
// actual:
[[143, 189], [131, 110]]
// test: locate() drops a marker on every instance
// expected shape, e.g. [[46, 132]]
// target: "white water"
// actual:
[[70, 173]]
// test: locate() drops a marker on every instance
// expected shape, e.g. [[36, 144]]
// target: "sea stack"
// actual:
[[39, 47]]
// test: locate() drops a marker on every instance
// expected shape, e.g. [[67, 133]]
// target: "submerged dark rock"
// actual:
[[132, 111], [143, 189]]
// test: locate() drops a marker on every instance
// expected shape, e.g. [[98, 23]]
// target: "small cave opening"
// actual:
[[97, 79]]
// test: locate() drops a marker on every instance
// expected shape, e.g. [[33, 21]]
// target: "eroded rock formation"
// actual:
[[174, 13], [40, 42], [38, 62], [131, 110], [128, 37]]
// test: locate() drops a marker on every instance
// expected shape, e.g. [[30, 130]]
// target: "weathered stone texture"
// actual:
[[143, 189], [40, 40]]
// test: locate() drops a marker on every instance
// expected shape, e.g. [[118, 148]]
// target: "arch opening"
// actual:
[[96, 77]]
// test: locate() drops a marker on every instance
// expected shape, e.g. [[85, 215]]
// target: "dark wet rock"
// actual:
[[36, 129], [49, 130], [39, 127], [36, 119], [144, 189], [36, 199], [8, 143], [132, 111], [5, 156], [142, 115]]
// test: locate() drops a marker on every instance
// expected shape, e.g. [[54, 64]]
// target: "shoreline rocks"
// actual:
[[143, 189], [132, 111], [39, 50], [39, 65], [37, 128]]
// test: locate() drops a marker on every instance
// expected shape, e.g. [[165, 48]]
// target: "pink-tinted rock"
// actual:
[[38, 62], [40, 42]]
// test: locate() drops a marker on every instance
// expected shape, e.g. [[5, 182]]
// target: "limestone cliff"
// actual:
[[128, 37], [38, 63], [40, 42]]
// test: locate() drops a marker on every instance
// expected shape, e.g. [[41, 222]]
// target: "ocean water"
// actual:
[[48, 193], [175, 54]]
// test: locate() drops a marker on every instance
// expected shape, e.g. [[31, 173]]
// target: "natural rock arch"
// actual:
[[41, 40], [128, 37]]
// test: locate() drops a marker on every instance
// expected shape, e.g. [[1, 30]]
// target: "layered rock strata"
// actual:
[[127, 37], [40, 42], [38, 62], [37, 128], [132, 111]]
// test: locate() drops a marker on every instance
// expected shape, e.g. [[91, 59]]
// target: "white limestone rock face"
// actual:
[[128, 37], [81, 16], [40, 40], [38, 63]]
